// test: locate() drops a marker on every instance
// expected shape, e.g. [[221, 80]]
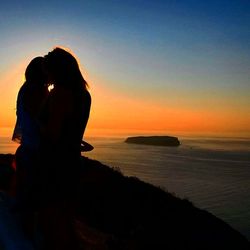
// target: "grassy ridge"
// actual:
[[138, 215]]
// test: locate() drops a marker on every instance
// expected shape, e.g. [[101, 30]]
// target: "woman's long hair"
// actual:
[[64, 70]]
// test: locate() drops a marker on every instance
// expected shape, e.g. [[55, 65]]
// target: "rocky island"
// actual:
[[116, 212], [169, 141]]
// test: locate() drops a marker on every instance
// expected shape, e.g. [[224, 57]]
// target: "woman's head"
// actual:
[[63, 69], [35, 72]]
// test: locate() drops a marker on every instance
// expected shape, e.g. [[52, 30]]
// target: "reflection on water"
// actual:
[[213, 173]]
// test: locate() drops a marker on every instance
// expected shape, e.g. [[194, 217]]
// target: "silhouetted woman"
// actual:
[[69, 104], [65, 119], [30, 101]]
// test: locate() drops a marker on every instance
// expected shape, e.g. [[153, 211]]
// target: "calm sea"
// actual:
[[213, 173]]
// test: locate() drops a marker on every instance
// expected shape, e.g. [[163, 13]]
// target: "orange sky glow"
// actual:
[[115, 111]]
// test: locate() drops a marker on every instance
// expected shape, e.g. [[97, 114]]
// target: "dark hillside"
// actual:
[[119, 212]]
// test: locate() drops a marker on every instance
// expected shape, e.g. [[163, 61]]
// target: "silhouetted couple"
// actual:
[[50, 127]]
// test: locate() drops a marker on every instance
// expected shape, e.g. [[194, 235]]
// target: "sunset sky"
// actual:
[[162, 66]]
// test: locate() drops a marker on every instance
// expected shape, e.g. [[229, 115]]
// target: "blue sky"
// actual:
[[183, 51]]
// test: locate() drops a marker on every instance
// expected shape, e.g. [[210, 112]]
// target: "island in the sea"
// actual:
[[169, 141]]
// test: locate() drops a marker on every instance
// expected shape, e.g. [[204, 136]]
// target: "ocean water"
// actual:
[[213, 173]]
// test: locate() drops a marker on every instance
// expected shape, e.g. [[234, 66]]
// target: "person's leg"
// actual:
[[11, 233], [25, 161], [56, 221]]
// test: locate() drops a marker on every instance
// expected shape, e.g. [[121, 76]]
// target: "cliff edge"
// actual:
[[119, 212]]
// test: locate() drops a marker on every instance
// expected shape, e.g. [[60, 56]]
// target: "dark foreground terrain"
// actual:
[[119, 212]]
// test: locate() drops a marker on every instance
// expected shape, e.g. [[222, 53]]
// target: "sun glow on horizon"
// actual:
[[114, 111]]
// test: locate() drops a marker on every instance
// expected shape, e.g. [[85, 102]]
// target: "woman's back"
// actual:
[[67, 115]]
